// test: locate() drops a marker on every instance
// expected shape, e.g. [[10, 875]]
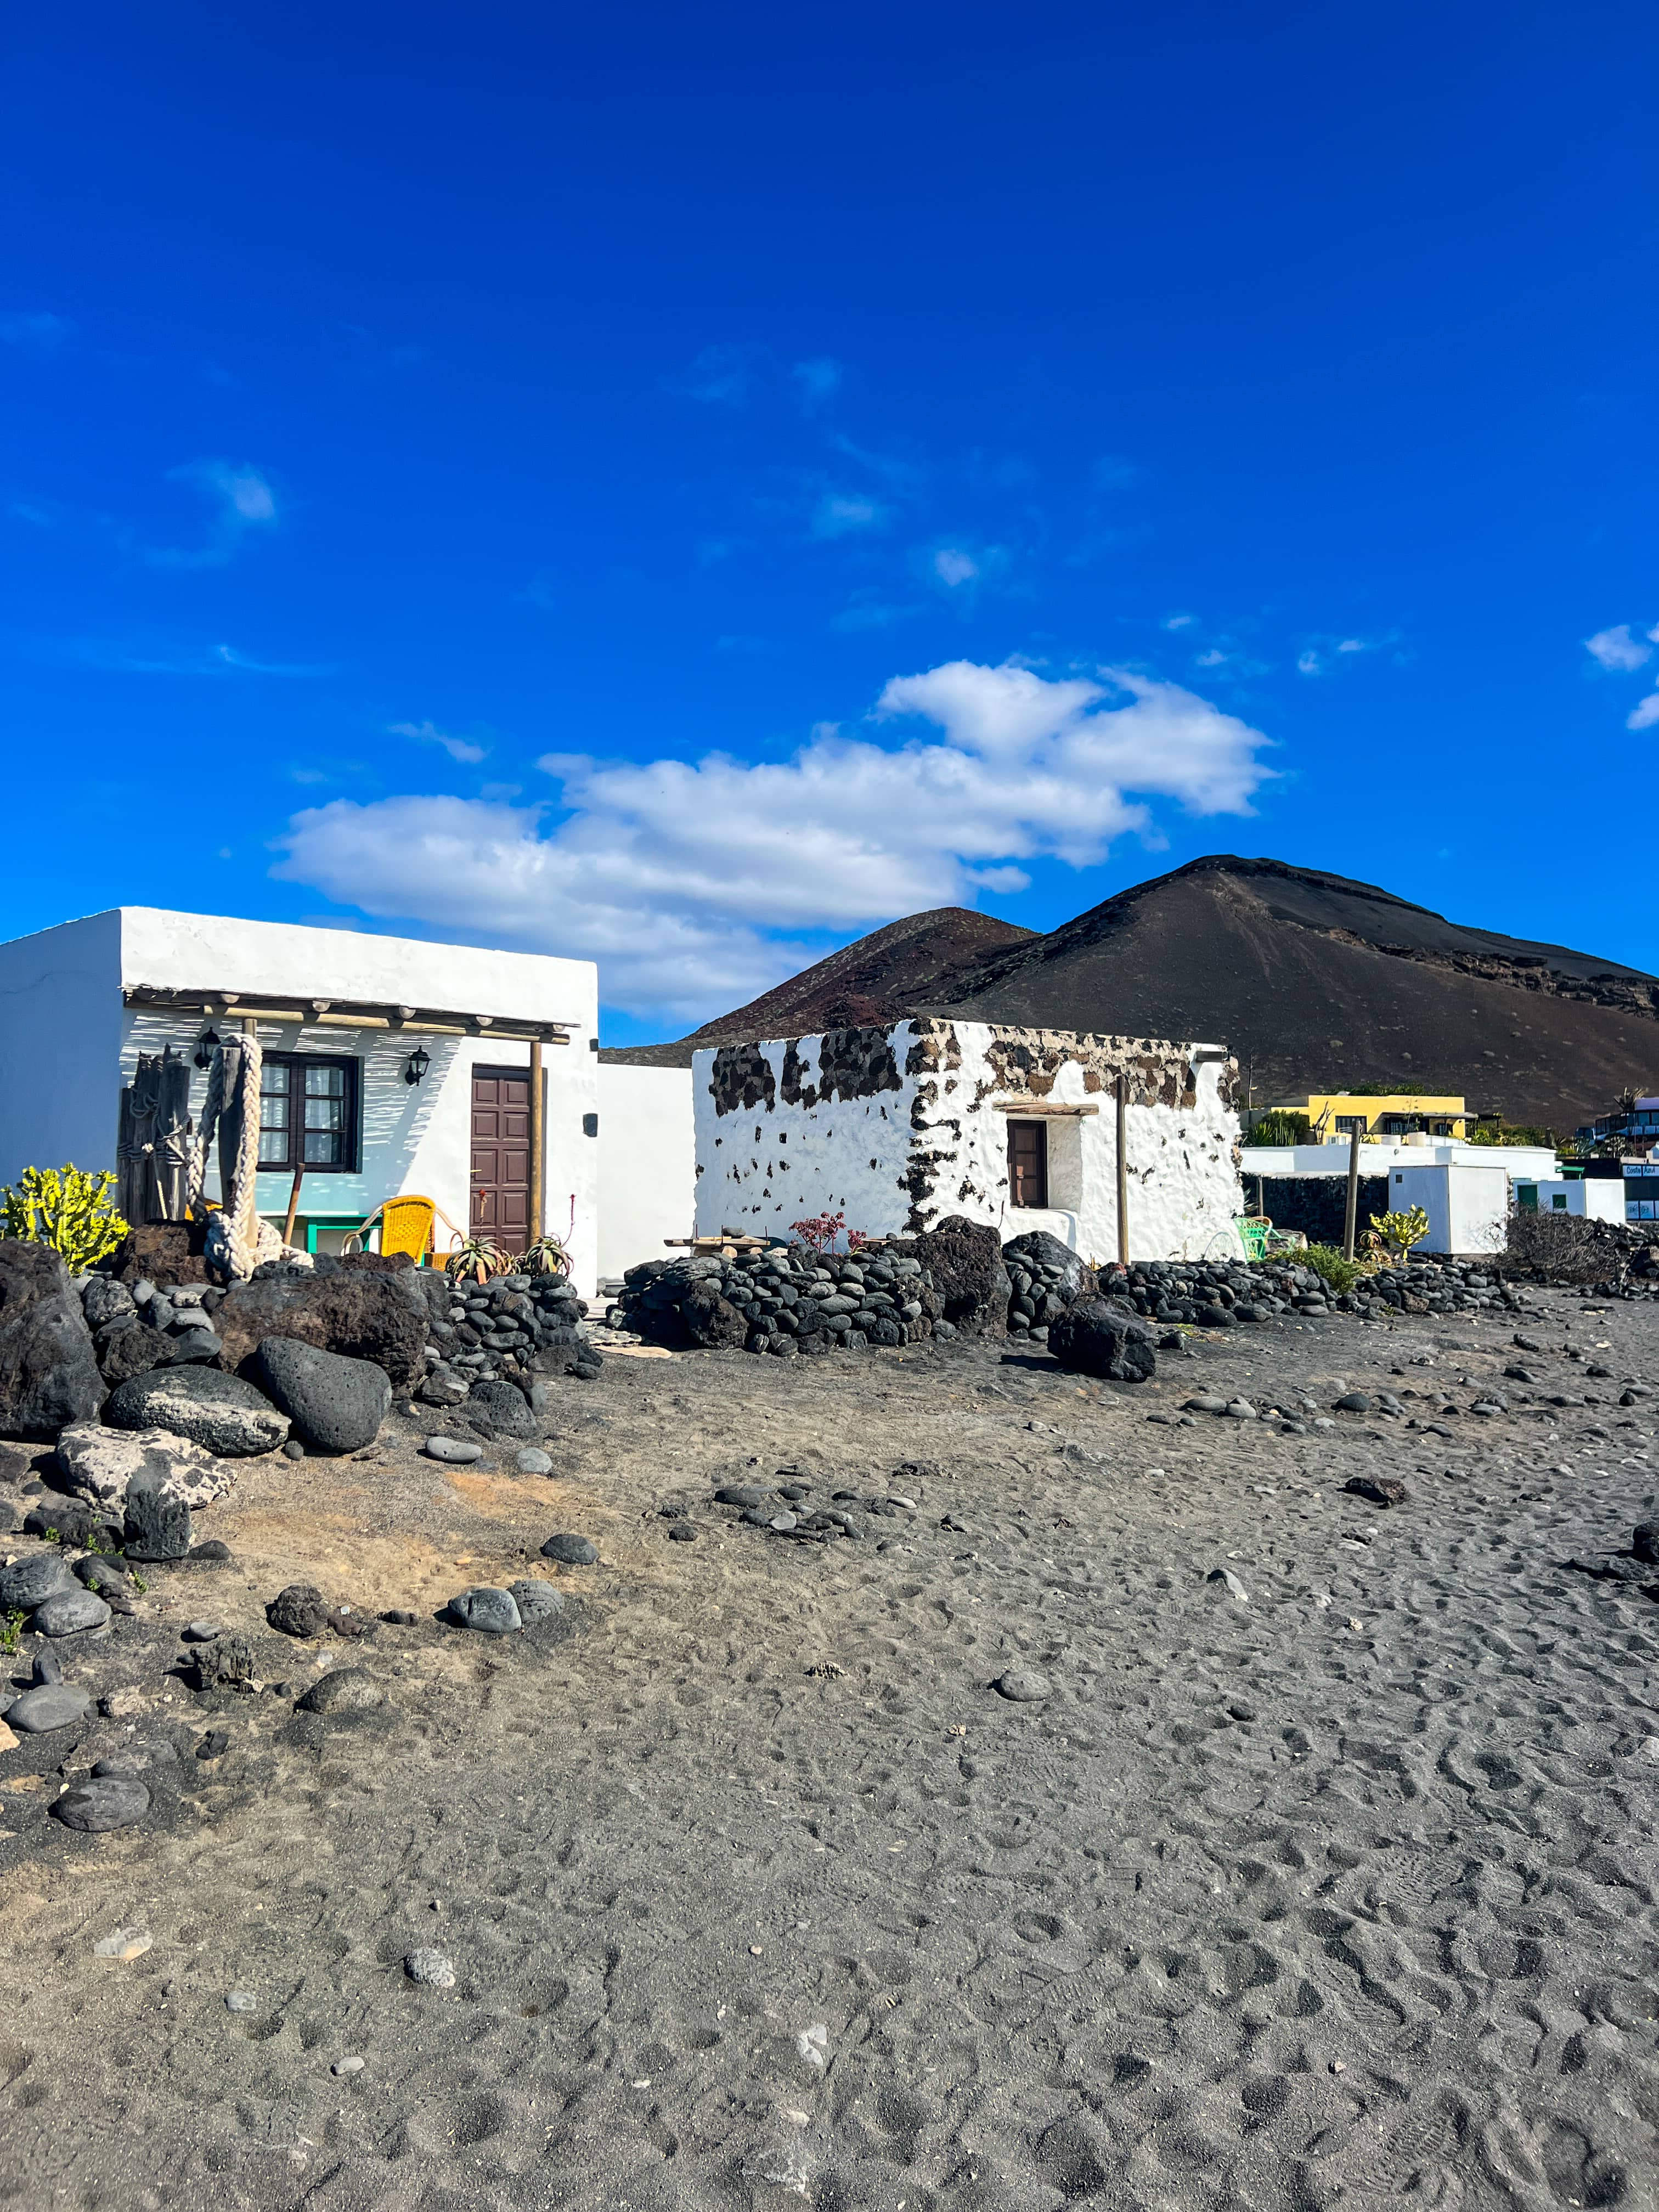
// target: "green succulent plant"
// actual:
[[66, 1208]]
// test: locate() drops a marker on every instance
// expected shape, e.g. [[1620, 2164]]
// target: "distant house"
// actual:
[[1332, 1115], [898, 1127], [390, 1065]]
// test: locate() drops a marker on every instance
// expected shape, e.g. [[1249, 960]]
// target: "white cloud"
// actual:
[[1309, 663], [957, 566], [1617, 650], [142, 657], [953, 567], [428, 733], [838, 514], [1354, 645], [1179, 622], [240, 499], [1646, 713], [672, 872]]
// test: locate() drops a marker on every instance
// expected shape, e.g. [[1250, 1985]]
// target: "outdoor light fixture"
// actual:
[[419, 1060], [206, 1045]]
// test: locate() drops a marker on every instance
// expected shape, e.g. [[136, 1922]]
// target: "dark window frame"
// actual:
[[1029, 1204], [293, 1061]]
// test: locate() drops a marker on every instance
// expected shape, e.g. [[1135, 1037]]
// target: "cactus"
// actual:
[[1401, 1230], [66, 1208]]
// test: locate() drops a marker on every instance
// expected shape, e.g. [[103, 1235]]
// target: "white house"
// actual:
[[899, 1126], [390, 1065]]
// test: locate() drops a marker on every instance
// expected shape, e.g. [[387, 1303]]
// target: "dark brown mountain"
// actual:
[[879, 978], [1317, 982]]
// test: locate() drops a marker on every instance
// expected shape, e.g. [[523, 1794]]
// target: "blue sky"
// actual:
[[685, 487]]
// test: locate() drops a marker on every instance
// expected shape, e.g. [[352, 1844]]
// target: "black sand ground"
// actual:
[[1338, 1892]]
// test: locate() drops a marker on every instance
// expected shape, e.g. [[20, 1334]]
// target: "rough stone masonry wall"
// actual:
[[898, 1127]]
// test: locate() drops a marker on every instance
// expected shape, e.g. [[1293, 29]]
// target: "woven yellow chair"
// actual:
[[405, 1226]]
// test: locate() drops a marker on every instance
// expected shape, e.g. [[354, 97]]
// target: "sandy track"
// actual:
[[1341, 1894]]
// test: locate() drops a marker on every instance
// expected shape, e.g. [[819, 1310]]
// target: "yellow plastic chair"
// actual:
[[405, 1226]]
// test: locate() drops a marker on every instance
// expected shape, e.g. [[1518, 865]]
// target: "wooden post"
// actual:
[[1122, 1172], [537, 1145], [1350, 1216], [293, 1196]]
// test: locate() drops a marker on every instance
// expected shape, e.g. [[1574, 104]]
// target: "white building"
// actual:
[[1593, 1198], [346, 1022], [1468, 1202], [1520, 1163], [647, 1164], [897, 1127]]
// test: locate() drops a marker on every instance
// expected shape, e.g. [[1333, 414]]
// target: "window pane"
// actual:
[[273, 1115], [325, 1127]]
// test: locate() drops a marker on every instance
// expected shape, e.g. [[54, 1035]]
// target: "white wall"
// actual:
[[1521, 1162], [647, 1163], [1601, 1198], [899, 1129], [60, 1044], [1467, 1205]]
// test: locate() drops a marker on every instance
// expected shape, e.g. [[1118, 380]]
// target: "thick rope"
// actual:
[[233, 1091]]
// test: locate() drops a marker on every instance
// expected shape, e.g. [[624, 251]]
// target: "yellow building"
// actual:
[[1335, 1114]]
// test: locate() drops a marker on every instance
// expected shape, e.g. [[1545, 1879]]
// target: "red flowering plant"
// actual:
[[819, 1231]]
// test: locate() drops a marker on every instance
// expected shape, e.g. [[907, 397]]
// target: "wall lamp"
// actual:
[[206, 1045], [418, 1064]]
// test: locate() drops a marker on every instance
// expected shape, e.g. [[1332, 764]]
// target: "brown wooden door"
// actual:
[[500, 1155], [1028, 1163]]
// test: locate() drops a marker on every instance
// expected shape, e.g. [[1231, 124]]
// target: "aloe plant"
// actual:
[[478, 1257]]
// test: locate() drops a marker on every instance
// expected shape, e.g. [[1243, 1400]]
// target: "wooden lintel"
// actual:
[[1028, 1107], [344, 1013]]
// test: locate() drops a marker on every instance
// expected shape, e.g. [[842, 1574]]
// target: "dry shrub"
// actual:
[[1560, 1247]]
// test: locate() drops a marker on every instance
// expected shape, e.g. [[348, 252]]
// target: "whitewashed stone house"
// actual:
[[898, 1127], [391, 1067]]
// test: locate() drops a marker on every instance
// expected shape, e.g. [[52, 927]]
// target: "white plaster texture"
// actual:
[[647, 1164], [899, 1127]]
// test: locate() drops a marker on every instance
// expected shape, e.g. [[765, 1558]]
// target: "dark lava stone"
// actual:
[[570, 1551], [298, 1610], [682, 1532], [740, 1493], [1380, 1489], [107, 1803]]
